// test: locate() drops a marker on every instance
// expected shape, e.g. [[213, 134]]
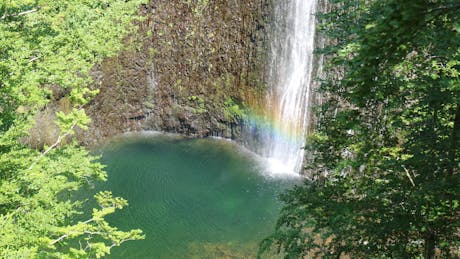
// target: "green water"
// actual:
[[192, 198]]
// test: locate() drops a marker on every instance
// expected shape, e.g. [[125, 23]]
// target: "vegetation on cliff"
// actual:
[[186, 63], [386, 151], [46, 53]]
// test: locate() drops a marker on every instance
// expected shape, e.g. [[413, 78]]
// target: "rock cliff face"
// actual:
[[192, 68]]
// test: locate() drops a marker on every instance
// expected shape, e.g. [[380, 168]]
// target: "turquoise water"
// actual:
[[192, 198]]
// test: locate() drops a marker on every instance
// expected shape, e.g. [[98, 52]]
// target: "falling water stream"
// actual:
[[290, 77], [208, 198]]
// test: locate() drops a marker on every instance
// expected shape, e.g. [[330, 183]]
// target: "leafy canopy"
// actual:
[[386, 151], [48, 48]]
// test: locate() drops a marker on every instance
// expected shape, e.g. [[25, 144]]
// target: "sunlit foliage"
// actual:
[[386, 151], [48, 48]]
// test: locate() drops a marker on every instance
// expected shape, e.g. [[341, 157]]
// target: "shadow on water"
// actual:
[[200, 198]]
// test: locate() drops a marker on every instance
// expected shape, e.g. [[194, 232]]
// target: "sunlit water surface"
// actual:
[[200, 198]]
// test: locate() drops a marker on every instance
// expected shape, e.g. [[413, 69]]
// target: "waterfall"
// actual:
[[290, 80]]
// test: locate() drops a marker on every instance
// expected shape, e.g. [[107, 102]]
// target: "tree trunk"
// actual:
[[429, 245], [455, 138], [456, 132]]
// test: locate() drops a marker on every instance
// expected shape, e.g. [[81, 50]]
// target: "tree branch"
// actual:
[[58, 141], [60, 238], [68, 234], [444, 8], [19, 14], [121, 242], [408, 176]]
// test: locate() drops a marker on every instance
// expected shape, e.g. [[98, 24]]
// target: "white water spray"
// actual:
[[290, 78]]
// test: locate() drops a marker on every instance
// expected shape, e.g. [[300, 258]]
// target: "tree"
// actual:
[[50, 47], [386, 154]]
